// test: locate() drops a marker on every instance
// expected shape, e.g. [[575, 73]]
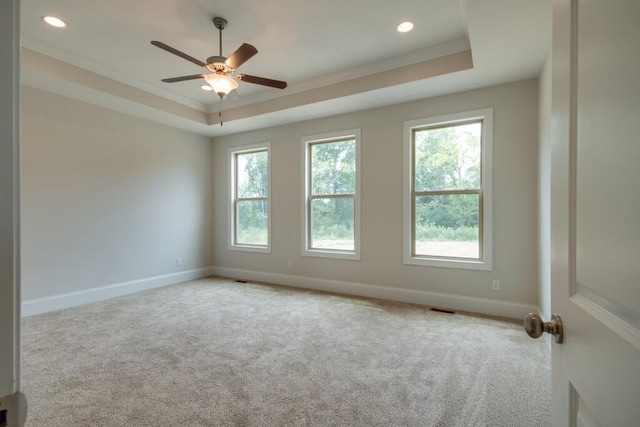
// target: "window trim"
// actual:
[[486, 206], [233, 152], [307, 143]]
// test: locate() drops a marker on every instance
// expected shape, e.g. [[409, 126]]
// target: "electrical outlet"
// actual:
[[178, 262], [495, 285], [290, 264]]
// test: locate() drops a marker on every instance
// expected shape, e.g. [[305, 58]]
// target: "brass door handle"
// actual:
[[534, 326]]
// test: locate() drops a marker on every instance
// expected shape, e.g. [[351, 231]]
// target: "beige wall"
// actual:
[[108, 198], [514, 193]]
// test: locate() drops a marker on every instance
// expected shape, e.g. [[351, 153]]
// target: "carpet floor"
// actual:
[[213, 352]]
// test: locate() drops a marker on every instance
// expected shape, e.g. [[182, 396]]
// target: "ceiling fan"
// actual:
[[223, 78]]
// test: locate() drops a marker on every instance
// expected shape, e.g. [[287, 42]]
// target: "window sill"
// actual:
[[249, 248], [482, 265], [327, 253]]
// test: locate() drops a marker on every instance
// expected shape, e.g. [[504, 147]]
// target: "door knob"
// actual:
[[534, 326]]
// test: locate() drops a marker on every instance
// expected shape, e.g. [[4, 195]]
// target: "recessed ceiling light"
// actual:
[[54, 21], [206, 87], [404, 27]]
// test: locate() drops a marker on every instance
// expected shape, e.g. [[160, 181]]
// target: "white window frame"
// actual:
[[232, 154], [486, 205], [307, 142]]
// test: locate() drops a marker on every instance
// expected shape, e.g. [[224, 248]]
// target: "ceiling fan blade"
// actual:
[[262, 81], [183, 78], [178, 53], [241, 55]]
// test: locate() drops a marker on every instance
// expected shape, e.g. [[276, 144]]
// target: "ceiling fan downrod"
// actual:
[[220, 24]]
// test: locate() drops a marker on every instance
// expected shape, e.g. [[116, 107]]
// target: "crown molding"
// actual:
[[79, 62]]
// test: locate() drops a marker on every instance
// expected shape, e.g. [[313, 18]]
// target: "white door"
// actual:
[[595, 210]]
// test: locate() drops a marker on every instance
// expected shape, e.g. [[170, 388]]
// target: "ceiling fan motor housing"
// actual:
[[216, 64]]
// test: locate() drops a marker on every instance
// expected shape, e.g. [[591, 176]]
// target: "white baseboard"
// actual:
[[434, 299], [428, 298], [58, 302]]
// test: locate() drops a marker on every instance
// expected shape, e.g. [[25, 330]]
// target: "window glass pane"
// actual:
[[333, 168], [332, 223], [447, 225], [252, 222], [448, 158], [252, 170]]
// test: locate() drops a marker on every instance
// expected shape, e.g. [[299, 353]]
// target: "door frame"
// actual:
[[10, 396], [563, 185]]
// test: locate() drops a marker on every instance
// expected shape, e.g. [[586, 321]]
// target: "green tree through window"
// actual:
[[447, 190], [333, 183], [447, 200], [331, 195], [250, 210]]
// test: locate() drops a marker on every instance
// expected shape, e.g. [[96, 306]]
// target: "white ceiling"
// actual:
[[337, 56]]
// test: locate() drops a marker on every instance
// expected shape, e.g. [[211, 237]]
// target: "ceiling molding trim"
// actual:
[[37, 68], [396, 62], [105, 71], [420, 71], [104, 100]]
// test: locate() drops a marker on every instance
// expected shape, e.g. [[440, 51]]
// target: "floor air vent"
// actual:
[[442, 310]]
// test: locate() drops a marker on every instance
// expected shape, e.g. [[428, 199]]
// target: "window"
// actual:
[[331, 213], [250, 207], [447, 197]]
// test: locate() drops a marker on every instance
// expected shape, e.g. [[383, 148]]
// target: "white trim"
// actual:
[[231, 185], [486, 264], [250, 248], [511, 310], [10, 204], [607, 313], [105, 71], [414, 57], [71, 299], [411, 58], [357, 220]]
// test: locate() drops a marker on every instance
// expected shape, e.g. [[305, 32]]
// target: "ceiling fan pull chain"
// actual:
[[220, 115]]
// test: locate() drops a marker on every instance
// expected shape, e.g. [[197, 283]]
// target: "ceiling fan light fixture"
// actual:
[[206, 87], [221, 84]]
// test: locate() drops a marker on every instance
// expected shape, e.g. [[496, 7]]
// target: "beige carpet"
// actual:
[[217, 353]]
